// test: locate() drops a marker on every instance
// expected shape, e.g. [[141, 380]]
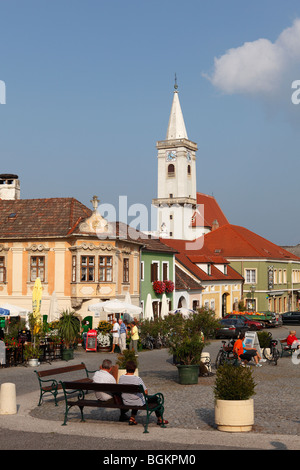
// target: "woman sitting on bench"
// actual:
[[136, 399]]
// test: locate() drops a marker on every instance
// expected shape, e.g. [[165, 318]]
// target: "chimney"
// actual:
[[9, 187], [215, 225]]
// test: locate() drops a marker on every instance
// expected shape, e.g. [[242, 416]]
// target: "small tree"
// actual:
[[68, 327]]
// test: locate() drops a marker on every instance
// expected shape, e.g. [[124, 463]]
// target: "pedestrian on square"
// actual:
[[134, 337], [122, 337], [84, 331], [115, 335]]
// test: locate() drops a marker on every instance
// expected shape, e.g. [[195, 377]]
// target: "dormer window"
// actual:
[[209, 269]]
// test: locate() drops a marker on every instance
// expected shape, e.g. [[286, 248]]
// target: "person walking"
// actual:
[[122, 337], [134, 337], [115, 335]]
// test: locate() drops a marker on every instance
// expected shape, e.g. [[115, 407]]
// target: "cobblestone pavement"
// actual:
[[276, 401]]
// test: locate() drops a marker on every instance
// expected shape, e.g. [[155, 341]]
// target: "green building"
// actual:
[[271, 274], [157, 264]]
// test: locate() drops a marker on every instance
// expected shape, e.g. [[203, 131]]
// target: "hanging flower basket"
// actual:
[[169, 286], [159, 287]]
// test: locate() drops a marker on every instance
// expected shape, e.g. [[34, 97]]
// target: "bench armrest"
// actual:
[[53, 382]]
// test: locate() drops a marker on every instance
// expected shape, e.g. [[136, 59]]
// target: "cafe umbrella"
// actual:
[[36, 302]]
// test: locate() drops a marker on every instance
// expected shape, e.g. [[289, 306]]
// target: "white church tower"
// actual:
[[176, 189]]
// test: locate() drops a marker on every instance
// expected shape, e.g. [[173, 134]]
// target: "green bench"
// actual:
[[75, 393], [52, 386]]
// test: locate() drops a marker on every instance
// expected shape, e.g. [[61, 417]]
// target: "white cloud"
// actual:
[[260, 67]]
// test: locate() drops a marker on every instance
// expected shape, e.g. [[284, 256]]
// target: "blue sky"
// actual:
[[89, 87]]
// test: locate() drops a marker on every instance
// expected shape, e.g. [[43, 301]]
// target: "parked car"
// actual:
[[231, 328], [291, 317], [253, 324], [274, 319]]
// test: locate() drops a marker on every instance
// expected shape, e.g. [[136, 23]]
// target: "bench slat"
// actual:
[[113, 388], [60, 370]]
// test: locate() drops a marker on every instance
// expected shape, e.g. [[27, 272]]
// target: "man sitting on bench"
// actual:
[[104, 376]]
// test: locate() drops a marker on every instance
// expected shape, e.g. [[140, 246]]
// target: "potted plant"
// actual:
[[31, 354], [234, 407], [104, 335], [123, 358], [68, 329], [264, 338], [187, 338]]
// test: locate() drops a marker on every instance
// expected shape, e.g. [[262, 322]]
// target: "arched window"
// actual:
[[171, 170], [189, 170]]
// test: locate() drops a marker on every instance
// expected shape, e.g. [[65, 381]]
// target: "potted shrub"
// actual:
[[234, 407], [104, 335], [187, 338], [68, 329], [264, 338], [31, 354], [123, 358]]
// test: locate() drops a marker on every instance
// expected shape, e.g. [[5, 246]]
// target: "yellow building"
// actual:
[[72, 249], [205, 280]]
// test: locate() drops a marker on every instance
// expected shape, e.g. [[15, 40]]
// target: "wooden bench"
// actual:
[[285, 348], [75, 392], [52, 386]]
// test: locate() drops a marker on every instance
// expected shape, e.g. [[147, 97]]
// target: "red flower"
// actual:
[[159, 287], [169, 286]]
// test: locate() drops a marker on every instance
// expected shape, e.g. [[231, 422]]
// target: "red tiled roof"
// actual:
[[212, 212], [216, 274], [232, 241], [35, 218], [185, 282]]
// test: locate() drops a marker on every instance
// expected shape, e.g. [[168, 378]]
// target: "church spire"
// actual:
[[176, 127]]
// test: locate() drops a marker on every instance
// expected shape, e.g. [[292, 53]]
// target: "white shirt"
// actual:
[[116, 330], [103, 377]]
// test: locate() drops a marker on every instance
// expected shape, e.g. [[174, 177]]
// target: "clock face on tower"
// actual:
[[188, 157], [171, 156]]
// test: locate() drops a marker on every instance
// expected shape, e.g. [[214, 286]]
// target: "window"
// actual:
[[74, 268], [87, 268], [165, 269], [154, 271], [250, 276], [126, 270], [2, 269], [171, 170], [142, 270], [37, 268], [189, 170], [105, 268]]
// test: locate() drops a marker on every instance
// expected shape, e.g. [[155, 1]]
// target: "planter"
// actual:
[[188, 375], [123, 372], [67, 354], [33, 362], [234, 415]]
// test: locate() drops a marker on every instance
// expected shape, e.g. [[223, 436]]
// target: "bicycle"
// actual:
[[147, 342], [225, 355], [274, 354]]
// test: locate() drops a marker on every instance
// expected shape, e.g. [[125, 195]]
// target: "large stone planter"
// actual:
[[234, 415], [188, 375]]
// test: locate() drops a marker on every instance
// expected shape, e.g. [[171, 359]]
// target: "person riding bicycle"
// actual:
[[244, 353]]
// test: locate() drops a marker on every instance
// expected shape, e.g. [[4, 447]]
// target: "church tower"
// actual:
[[176, 190]]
